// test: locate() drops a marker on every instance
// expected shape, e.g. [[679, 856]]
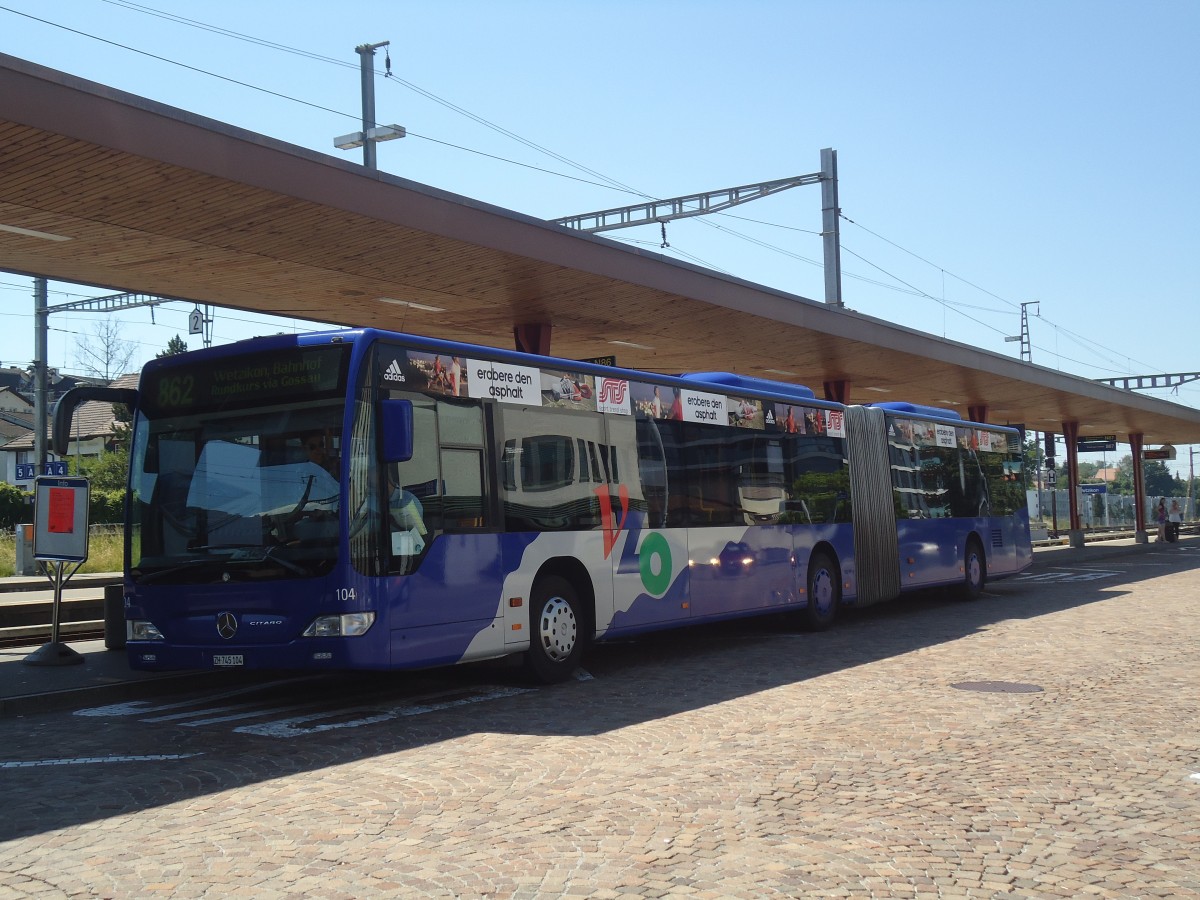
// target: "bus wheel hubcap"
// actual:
[[558, 629], [822, 590]]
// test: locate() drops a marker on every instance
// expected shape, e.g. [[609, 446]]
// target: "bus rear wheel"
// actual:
[[556, 636], [974, 571], [824, 593]]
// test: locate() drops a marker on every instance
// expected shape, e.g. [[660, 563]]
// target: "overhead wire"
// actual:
[[606, 181], [392, 77], [311, 105], [1087, 343], [611, 183]]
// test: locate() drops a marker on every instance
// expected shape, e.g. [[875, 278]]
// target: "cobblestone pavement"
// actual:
[[739, 761]]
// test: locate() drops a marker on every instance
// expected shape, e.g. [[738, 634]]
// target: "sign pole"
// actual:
[[60, 536], [55, 653]]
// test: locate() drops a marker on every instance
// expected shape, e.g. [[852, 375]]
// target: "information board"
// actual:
[[60, 518], [1105, 443]]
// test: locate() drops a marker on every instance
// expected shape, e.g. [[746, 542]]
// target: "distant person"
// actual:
[[1174, 520], [1161, 516]]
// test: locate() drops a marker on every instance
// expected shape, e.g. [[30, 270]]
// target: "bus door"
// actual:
[[439, 532]]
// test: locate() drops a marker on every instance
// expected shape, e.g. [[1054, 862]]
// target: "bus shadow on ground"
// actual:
[[152, 753]]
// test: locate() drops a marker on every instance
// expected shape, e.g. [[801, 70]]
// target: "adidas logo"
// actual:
[[770, 417], [393, 372]]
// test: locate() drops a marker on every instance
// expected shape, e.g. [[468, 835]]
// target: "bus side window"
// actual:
[[419, 475], [711, 474], [462, 471], [551, 469], [465, 484]]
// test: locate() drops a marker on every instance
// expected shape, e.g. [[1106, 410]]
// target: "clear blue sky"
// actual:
[[989, 152]]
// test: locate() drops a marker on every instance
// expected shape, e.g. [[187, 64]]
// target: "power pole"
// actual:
[[1023, 337], [41, 315], [831, 231], [702, 204], [371, 133], [41, 325], [1191, 498]]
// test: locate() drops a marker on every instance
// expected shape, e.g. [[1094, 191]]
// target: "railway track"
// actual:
[[36, 635], [27, 609]]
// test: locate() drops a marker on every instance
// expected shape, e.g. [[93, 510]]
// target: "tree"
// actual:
[[1031, 455], [104, 354], [108, 471], [14, 505], [175, 346], [1158, 479], [1123, 482]]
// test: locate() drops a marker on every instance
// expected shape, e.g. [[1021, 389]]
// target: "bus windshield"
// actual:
[[243, 490]]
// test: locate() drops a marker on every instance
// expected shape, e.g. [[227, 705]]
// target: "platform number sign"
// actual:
[[28, 471]]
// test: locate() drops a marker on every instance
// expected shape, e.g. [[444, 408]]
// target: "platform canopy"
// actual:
[[106, 188]]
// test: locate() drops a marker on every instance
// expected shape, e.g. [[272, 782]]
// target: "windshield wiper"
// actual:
[[241, 557], [148, 577]]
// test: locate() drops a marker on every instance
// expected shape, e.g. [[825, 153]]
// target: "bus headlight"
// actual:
[[141, 630], [345, 625]]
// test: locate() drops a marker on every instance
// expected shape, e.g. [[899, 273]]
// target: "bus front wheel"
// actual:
[[974, 571], [824, 593], [556, 637]]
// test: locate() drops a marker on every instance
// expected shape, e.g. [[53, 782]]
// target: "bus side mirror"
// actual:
[[396, 422]]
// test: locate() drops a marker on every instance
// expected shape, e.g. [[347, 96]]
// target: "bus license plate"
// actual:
[[227, 659]]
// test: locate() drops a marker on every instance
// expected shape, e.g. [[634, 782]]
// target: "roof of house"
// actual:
[[10, 396], [91, 420]]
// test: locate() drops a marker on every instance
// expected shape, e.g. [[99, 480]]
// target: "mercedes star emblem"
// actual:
[[227, 625]]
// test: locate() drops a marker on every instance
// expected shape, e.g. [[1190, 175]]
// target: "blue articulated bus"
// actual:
[[358, 499]]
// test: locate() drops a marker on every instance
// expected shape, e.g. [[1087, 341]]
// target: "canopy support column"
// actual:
[[838, 391], [1140, 535], [1071, 439], [533, 337]]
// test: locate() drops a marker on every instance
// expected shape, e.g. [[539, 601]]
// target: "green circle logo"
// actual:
[[655, 547]]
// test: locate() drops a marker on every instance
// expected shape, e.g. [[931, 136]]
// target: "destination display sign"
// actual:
[[292, 375], [1096, 444]]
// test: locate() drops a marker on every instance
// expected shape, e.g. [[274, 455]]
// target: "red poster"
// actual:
[[61, 517]]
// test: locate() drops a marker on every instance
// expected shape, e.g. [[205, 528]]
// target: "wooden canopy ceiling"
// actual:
[[105, 188]]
